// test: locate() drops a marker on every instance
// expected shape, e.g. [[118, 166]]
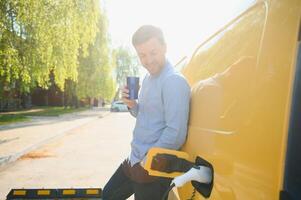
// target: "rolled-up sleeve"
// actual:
[[176, 100]]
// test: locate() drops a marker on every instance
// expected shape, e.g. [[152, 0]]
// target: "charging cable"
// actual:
[[200, 174], [168, 190]]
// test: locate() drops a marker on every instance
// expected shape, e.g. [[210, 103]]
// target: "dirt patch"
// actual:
[[36, 155]]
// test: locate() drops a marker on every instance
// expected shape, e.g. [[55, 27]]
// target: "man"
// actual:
[[161, 119]]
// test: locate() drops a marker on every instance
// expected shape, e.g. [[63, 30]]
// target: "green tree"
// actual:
[[126, 64], [95, 71], [42, 37]]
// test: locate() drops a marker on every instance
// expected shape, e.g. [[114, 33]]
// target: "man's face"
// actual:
[[152, 55]]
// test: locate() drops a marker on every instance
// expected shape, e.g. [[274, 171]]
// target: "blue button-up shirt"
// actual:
[[161, 113]]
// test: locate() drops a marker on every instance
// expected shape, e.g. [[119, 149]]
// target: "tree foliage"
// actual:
[[95, 72], [55, 42], [126, 64], [42, 37]]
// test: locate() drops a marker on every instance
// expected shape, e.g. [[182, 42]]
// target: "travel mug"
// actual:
[[133, 86]]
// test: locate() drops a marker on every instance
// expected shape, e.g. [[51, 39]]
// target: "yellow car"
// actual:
[[245, 116]]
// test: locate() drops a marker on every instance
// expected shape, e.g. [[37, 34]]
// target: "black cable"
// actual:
[[193, 194], [167, 191]]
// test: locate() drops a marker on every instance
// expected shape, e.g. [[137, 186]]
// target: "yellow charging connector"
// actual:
[[166, 162]]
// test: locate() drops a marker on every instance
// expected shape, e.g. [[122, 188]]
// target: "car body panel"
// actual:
[[241, 80]]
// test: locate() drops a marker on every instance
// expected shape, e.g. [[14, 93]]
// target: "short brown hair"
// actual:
[[147, 32]]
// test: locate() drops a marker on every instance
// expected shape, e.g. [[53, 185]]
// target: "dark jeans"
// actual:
[[121, 186]]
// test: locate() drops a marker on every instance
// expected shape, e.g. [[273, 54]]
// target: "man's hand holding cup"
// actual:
[[130, 91]]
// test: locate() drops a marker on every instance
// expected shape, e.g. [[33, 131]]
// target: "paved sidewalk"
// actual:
[[20, 138]]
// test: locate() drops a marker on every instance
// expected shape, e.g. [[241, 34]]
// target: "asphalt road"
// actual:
[[84, 157]]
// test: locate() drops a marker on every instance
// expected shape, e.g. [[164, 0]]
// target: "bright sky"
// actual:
[[185, 23]]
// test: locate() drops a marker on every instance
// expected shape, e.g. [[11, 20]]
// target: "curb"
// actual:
[[12, 158]]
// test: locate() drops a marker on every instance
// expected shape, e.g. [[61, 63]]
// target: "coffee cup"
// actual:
[[133, 86]]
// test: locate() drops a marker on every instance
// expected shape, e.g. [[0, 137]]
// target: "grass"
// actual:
[[8, 119], [23, 115], [54, 111]]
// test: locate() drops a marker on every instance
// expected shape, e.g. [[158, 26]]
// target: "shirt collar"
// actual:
[[167, 67]]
